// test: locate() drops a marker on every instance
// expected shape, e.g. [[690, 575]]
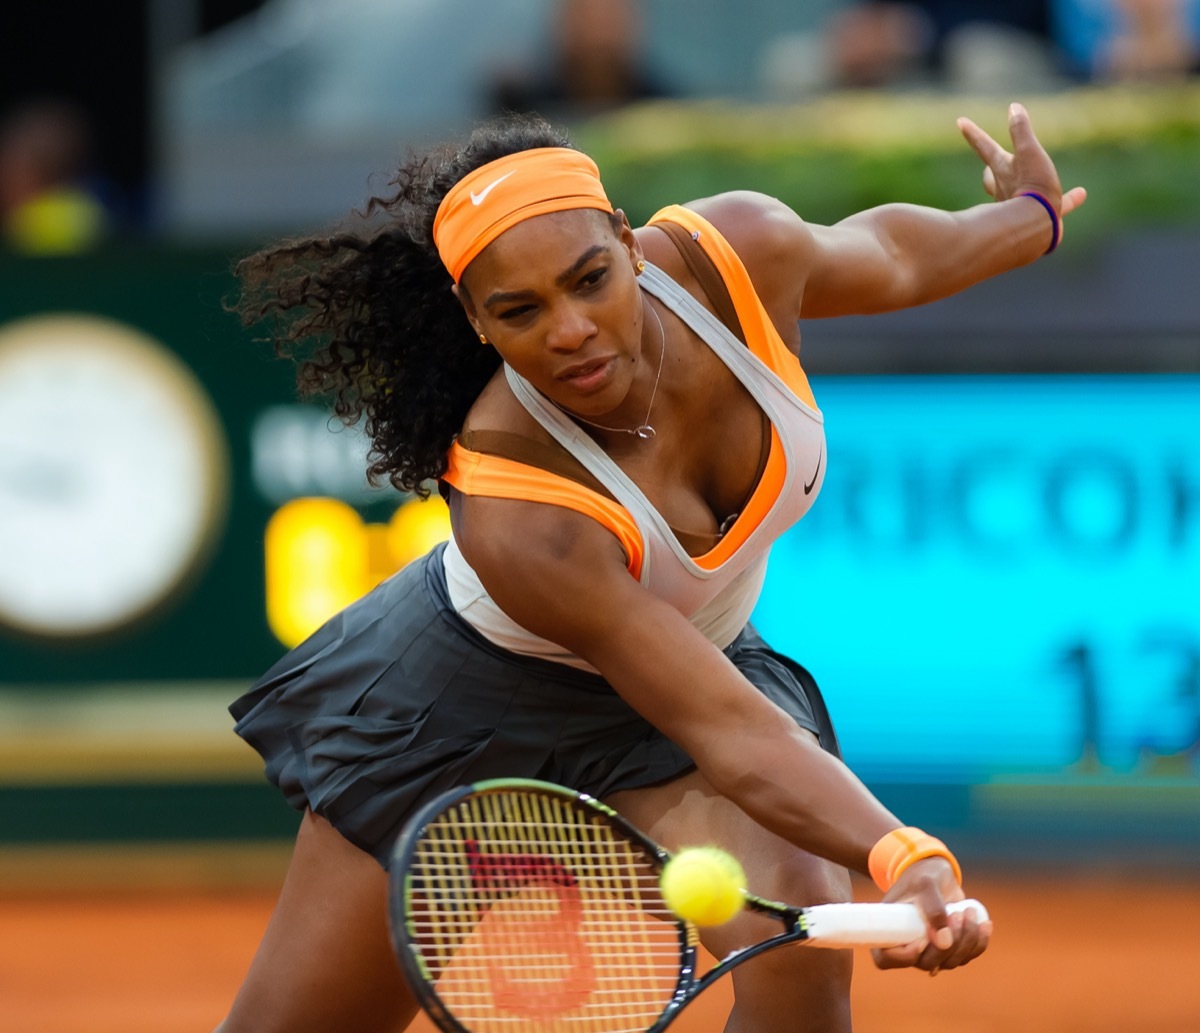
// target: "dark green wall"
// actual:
[[216, 628]]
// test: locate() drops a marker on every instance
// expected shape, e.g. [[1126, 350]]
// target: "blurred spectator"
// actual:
[[1129, 40], [46, 203], [968, 45], [872, 45], [596, 63]]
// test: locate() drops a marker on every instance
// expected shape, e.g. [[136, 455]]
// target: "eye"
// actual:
[[515, 313], [593, 279]]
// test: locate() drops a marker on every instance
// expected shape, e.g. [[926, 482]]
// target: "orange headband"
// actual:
[[504, 192]]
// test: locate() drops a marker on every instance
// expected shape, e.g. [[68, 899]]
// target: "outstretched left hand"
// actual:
[[1027, 167]]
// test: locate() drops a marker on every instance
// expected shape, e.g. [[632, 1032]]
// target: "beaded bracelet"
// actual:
[[1056, 226], [901, 848]]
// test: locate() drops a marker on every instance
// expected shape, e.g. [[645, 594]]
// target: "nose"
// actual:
[[570, 328]]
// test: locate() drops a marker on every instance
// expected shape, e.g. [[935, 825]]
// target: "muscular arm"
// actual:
[[898, 255], [563, 577]]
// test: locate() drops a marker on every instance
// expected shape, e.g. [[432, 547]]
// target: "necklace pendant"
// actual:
[[645, 432]]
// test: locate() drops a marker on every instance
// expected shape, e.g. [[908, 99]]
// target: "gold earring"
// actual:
[[641, 267], [483, 339]]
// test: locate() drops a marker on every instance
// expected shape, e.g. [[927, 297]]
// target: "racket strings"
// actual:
[[534, 913]]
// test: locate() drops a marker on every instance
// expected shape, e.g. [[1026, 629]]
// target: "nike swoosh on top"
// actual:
[[811, 484], [478, 198]]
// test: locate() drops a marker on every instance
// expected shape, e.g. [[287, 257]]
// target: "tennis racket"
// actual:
[[517, 906]]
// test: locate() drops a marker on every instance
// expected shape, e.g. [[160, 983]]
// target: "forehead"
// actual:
[[544, 245]]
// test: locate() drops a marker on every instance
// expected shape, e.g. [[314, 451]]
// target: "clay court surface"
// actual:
[[1087, 954]]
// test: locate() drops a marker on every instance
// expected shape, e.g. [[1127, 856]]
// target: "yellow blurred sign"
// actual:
[[321, 556]]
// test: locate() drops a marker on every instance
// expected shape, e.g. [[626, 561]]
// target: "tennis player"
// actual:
[[622, 427]]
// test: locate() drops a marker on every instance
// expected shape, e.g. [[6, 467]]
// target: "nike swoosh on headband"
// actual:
[[478, 198]]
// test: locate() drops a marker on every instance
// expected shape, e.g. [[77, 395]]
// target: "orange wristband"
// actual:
[[901, 848]]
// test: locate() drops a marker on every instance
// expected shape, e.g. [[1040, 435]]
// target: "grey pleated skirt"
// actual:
[[396, 699]]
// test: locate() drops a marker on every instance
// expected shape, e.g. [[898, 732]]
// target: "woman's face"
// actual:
[[558, 298]]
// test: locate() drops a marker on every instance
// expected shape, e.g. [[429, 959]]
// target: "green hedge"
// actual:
[[1136, 150]]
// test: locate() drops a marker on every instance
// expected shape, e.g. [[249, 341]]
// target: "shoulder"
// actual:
[[748, 219], [557, 572], [497, 408], [772, 241]]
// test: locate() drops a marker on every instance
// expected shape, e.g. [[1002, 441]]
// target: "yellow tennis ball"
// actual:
[[703, 885]]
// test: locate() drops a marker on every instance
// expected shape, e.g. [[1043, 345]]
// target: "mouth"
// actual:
[[587, 376]]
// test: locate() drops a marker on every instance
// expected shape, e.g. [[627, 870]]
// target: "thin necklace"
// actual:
[[643, 430]]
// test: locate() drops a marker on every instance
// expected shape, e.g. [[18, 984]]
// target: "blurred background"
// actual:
[[999, 590]]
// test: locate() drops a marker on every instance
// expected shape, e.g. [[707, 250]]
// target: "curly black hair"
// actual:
[[368, 314]]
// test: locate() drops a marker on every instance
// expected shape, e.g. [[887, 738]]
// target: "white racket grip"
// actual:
[[873, 925]]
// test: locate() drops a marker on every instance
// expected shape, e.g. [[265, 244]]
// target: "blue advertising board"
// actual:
[[1001, 577]]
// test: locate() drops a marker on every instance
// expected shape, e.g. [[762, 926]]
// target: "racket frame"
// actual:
[[689, 985], [400, 892]]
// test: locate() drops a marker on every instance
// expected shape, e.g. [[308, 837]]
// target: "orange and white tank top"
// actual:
[[718, 590]]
